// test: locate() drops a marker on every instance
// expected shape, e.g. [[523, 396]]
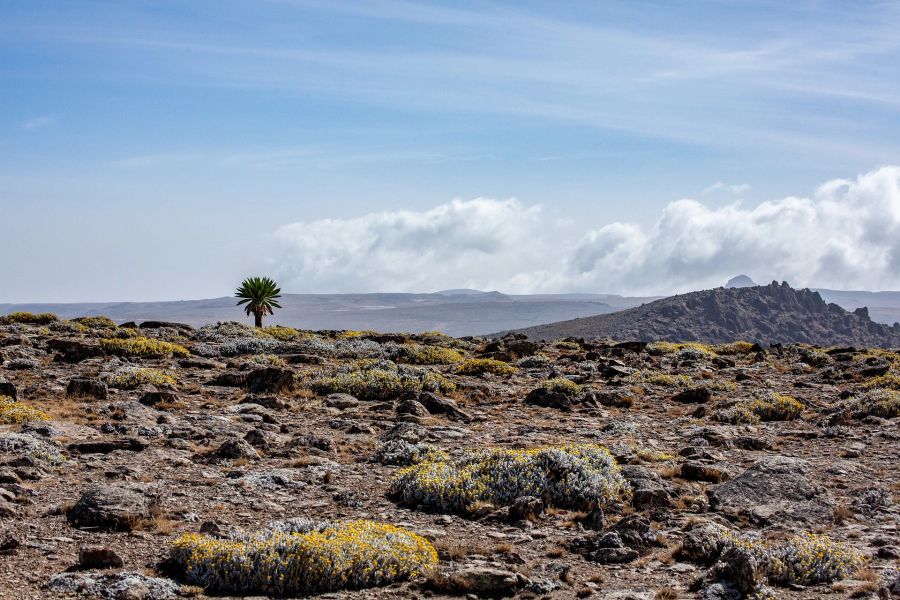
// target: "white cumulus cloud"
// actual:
[[846, 235], [481, 243]]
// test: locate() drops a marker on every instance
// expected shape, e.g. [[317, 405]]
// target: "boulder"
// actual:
[[483, 581], [341, 401], [8, 388], [776, 489], [73, 351], [154, 398], [101, 446], [99, 557], [647, 487], [549, 399], [437, 405], [86, 387], [236, 448], [270, 380], [161, 324], [697, 395], [697, 471], [113, 507], [113, 586]]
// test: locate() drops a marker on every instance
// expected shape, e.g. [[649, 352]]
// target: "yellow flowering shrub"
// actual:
[[430, 355], [660, 348], [480, 366], [660, 378], [884, 403], [809, 558], [352, 333], [279, 332], [300, 557], [382, 381], [562, 385], [805, 559], [888, 381], [774, 407], [579, 476], [739, 347], [18, 412], [99, 322], [143, 346], [128, 380], [27, 318]]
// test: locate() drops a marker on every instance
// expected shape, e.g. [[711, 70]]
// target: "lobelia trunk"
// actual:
[[258, 318]]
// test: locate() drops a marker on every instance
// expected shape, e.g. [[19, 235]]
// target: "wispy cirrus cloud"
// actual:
[[731, 188], [39, 122]]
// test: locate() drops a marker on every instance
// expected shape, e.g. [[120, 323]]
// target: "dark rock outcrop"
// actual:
[[774, 313]]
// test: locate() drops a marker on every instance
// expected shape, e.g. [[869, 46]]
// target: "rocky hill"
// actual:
[[763, 314]]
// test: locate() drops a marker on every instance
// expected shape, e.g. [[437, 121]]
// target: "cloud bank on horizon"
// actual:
[[845, 235]]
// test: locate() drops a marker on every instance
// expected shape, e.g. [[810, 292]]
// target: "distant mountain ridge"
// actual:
[[456, 312], [764, 314]]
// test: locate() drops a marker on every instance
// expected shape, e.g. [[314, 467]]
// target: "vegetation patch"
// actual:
[[774, 407], [284, 334], [888, 381], [660, 378], [561, 385], [143, 347], [266, 360], [430, 355], [134, 378], [884, 403], [805, 559], [382, 380], [18, 412], [581, 477], [663, 348], [99, 322], [480, 366], [302, 557], [353, 333], [27, 318], [735, 348]]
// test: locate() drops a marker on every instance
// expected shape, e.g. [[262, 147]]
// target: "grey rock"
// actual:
[[776, 489], [647, 487], [236, 448], [482, 580], [114, 586], [341, 401], [549, 399], [86, 387], [110, 507], [270, 380], [99, 557], [8, 388]]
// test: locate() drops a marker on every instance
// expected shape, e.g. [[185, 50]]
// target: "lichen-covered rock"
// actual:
[[86, 387], [114, 586], [776, 489], [271, 380], [648, 489], [8, 388], [110, 507]]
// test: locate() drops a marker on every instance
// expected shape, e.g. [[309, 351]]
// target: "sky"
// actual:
[[156, 150]]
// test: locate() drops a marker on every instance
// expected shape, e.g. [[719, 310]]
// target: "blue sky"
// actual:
[[159, 150]]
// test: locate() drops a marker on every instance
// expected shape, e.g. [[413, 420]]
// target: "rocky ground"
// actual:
[[114, 445]]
